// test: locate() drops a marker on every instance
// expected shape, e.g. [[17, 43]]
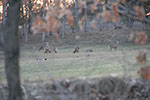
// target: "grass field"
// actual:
[[65, 64]]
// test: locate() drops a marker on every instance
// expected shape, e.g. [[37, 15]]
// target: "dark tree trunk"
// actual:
[[43, 15], [26, 25], [43, 37], [63, 26], [85, 14], [26, 32], [30, 16], [77, 17], [11, 41], [3, 21]]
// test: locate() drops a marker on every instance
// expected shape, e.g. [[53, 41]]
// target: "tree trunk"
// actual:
[[43, 16], [11, 41], [26, 32], [43, 37], [63, 26], [26, 25], [30, 16], [77, 17], [85, 14], [3, 21]]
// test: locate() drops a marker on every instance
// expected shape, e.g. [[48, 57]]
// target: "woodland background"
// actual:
[[29, 74]]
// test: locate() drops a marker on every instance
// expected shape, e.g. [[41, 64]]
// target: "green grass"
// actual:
[[65, 64]]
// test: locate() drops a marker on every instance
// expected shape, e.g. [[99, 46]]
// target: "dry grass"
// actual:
[[65, 64]]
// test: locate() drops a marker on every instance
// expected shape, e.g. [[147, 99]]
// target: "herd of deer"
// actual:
[[144, 72], [48, 49]]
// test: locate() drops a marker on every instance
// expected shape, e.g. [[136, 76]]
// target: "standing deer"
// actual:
[[113, 46], [55, 49]]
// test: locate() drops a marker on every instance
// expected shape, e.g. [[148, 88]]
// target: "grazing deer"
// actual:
[[48, 49], [41, 48], [113, 46], [89, 50], [55, 50], [76, 50]]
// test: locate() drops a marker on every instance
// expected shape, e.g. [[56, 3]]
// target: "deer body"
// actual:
[[113, 46], [76, 50], [48, 49]]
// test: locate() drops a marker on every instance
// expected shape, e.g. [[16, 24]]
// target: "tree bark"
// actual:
[[63, 26], [85, 14], [77, 17], [11, 43], [3, 21]]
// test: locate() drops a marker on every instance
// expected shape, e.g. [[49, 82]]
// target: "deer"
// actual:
[[89, 50], [48, 49], [76, 50], [55, 49], [113, 46]]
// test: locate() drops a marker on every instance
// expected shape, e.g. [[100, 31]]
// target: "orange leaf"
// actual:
[[137, 41], [114, 19], [141, 58], [69, 20], [123, 1], [81, 22], [115, 9], [142, 34], [143, 38], [37, 26], [106, 16], [144, 72], [55, 11], [49, 23], [143, 43], [140, 12], [93, 8]]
